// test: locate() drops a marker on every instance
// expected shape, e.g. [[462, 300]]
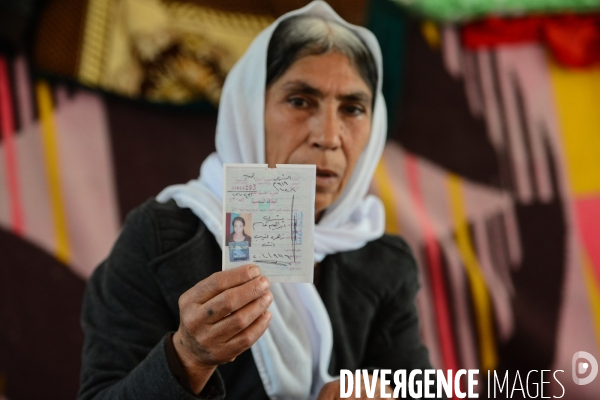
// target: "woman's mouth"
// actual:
[[326, 177]]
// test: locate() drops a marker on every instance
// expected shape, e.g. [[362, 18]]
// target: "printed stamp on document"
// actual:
[[268, 219]]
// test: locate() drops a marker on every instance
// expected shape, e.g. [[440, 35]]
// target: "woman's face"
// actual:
[[238, 227], [319, 112]]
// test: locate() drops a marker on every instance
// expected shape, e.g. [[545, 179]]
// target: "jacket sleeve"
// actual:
[[126, 321]]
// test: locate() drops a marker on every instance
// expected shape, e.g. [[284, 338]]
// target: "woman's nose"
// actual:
[[326, 129]]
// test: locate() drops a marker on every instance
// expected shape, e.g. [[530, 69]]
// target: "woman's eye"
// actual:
[[354, 110], [298, 102]]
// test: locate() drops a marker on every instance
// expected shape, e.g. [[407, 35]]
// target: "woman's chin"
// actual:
[[322, 201]]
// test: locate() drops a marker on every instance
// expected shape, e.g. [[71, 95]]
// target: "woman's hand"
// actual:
[[220, 317], [331, 391]]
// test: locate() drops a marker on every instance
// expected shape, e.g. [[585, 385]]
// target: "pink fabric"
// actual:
[[394, 159], [436, 274], [525, 67], [87, 180], [7, 129], [588, 220]]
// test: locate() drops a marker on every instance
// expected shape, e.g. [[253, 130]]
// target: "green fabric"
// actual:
[[388, 23], [457, 10]]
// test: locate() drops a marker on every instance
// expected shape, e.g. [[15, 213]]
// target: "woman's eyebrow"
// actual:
[[359, 96], [303, 87]]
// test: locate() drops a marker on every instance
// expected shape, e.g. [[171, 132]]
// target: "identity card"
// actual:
[[268, 219]]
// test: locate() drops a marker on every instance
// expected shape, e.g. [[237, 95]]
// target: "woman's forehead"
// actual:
[[324, 74]]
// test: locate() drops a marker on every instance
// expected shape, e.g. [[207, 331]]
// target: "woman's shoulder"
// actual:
[[159, 244], [159, 228], [394, 244], [389, 252], [396, 256], [385, 264]]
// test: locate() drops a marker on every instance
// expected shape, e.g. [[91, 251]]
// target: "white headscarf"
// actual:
[[293, 355]]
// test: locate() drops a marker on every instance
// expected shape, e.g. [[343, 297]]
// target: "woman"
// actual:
[[318, 101], [238, 234]]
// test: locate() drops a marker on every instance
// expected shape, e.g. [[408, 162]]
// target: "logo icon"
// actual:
[[580, 367]]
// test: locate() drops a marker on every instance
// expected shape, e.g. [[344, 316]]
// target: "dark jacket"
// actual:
[[130, 307]]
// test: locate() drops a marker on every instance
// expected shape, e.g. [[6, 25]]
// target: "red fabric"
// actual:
[[574, 40], [495, 31]]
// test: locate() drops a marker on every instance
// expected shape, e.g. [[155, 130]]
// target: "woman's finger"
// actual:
[[217, 283], [246, 338], [233, 300], [330, 391], [240, 320]]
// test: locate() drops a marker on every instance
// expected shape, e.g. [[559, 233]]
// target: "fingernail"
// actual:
[[267, 296], [264, 283], [254, 271]]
